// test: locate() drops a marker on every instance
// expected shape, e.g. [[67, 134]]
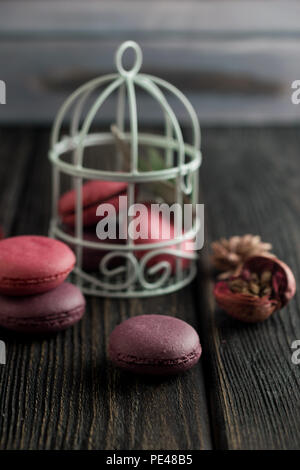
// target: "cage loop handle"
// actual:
[[137, 62]]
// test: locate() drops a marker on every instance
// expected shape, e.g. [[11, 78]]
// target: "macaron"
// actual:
[[91, 257], [31, 264], [151, 219], [93, 194], [154, 344], [51, 311]]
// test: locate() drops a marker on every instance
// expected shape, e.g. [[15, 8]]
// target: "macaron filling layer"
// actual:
[[60, 319], [186, 358], [37, 280]]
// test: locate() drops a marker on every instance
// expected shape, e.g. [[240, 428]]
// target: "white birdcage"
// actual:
[[134, 276]]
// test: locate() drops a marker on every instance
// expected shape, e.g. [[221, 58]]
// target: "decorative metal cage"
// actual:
[[135, 276]]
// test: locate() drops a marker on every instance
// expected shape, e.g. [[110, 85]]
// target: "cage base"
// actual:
[[135, 292]]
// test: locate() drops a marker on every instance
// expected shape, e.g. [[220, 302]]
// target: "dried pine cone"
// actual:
[[229, 255]]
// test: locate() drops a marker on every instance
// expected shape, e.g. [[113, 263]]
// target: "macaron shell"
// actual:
[[33, 264], [89, 216], [93, 193], [43, 313], [154, 344]]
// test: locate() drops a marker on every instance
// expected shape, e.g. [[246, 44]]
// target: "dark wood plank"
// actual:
[[253, 87], [250, 179], [15, 149], [61, 392]]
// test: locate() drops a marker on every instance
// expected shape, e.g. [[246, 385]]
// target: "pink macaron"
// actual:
[[151, 219], [49, 312], [93, 193], [154, 344], [31, 264]]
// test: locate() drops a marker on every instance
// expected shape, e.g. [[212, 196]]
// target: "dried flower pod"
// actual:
[[282, 279], [228, 256], [264, 285]]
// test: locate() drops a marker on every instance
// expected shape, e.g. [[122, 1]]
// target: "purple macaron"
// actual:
[[154, 344], [52, 311]]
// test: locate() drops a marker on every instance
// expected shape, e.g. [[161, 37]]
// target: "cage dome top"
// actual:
[[136, 275], [125, 83]]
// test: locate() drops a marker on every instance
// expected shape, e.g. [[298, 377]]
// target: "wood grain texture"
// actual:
[[61, 392], [250, 180]]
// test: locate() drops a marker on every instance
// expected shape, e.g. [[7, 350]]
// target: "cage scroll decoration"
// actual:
[[135, 276]]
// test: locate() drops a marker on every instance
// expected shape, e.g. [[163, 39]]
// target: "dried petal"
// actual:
[[238, 285], [266, 291], [254, 288], [254, 277], [265, 277]]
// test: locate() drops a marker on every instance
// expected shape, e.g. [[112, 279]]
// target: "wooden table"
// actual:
[[62, 393]]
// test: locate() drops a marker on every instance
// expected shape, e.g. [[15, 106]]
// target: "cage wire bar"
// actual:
[[134, 278]]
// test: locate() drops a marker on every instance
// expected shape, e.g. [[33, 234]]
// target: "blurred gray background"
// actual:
[[235, 59]]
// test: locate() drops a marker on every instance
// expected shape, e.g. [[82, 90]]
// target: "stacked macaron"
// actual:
[[94, 193], [33, 295]]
